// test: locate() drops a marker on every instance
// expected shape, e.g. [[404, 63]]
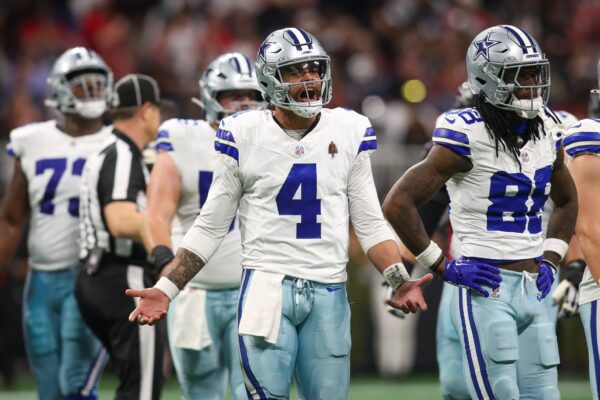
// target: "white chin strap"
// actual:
[[90, 109], [528, 108]]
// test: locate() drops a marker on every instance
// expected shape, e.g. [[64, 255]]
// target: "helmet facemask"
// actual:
[[530, 81], [88, 91]]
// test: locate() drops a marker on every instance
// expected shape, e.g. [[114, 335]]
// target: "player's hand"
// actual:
[[567, 292], [389, 295], [409, 296], [472, 274], [545, 279], [152, 307]]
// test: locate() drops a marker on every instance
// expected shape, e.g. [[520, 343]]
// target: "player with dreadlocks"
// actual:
[[499, 161]]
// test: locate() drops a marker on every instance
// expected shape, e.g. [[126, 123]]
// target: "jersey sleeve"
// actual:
[[211, 226], [121, 178], [15, 146], [452, 133], [583, 138], [365, 210], [164, 141]]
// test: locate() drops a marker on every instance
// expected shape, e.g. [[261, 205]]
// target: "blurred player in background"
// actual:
[[202, 319], [498, 161], [65, 357]]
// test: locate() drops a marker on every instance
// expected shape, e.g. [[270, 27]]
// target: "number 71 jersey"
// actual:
[[53, 162], [294, 206], [496, 208]]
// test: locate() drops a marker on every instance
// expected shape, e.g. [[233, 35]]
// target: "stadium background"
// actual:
[[397, 61]]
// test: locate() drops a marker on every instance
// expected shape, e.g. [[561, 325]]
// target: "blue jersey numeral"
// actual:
[[205, 179], [514, 205], [58, 167], [308, 206]]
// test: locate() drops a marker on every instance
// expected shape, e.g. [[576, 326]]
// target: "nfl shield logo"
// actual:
[[525, 157], [299, 150]]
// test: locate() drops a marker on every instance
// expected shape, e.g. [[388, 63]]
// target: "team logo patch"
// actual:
[[496, 293]]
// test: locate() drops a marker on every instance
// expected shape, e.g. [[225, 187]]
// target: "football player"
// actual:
[[49, 157], [498, 161], [298, 174], [201, 321], [583, 147]]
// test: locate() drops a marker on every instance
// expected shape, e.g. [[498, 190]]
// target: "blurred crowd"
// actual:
[[376, 46]]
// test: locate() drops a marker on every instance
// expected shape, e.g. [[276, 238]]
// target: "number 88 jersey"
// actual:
[[52, 162], [496, 208]]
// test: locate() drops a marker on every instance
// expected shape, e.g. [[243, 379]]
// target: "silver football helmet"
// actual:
[[230, 71], [80, 83], [503, 59], [289, 47]]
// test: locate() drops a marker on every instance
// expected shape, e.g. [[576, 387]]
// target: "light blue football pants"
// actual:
[[590, 318], [313, 344], [449, 352], [508, 342], [202, 374], [64, 355]]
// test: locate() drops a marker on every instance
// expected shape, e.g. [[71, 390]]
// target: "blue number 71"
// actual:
[[58, 167]]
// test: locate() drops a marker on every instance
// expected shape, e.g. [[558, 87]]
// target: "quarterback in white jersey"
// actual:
[[49, 160], [583, 147], [499, 161], [298, 174], [202, 320]]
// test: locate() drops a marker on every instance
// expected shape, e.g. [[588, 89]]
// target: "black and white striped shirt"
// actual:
[[116, 173]]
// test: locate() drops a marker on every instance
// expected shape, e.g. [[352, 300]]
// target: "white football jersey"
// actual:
[[296, 196], [53, 162], [190, 143], [584, 138], [496, 207]]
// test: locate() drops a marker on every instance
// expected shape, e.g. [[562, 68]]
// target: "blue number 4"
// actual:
[[303, 177], [510, 213], [58, 166]]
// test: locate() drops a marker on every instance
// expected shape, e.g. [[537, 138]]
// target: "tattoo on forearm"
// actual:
[[185, 266]]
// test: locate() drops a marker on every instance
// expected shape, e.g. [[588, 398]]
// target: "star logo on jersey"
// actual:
[[483, 47]]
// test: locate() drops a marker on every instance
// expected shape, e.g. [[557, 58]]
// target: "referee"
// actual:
[[111, 204]]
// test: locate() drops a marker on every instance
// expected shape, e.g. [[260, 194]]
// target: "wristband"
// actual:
[[161, 255], [430, 257], [554, 267], [165, 285], [395, 275], [557, 246]]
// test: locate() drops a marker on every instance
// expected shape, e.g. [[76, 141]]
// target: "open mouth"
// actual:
[[308, 95]]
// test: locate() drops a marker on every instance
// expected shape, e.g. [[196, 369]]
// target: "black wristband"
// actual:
[[161, 255]]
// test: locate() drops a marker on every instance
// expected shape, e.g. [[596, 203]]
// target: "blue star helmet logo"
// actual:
[[263, 48], [483, 47]]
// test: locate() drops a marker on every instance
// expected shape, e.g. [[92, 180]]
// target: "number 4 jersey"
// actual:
[[53, 162], [496, 207], [295, 196]]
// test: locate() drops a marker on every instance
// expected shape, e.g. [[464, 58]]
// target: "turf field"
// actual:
[[420, 387]]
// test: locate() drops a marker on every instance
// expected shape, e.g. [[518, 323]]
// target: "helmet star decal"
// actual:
[[483, 46], [263, 49]]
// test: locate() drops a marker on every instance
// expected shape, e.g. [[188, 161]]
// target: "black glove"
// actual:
[[567, 292]]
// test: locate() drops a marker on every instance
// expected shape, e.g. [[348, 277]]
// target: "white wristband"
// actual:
[[557, 246], [395, 275], [165, 285], [430, 256]]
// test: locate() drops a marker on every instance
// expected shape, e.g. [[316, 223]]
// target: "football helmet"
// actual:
[[290, 47], [503, 59], [230, 71], [80, 83]]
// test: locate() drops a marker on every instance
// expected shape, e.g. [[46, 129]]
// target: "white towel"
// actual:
[[261, 314], [190, 329]]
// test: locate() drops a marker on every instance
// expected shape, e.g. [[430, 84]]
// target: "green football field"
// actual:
[[418, 387]]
